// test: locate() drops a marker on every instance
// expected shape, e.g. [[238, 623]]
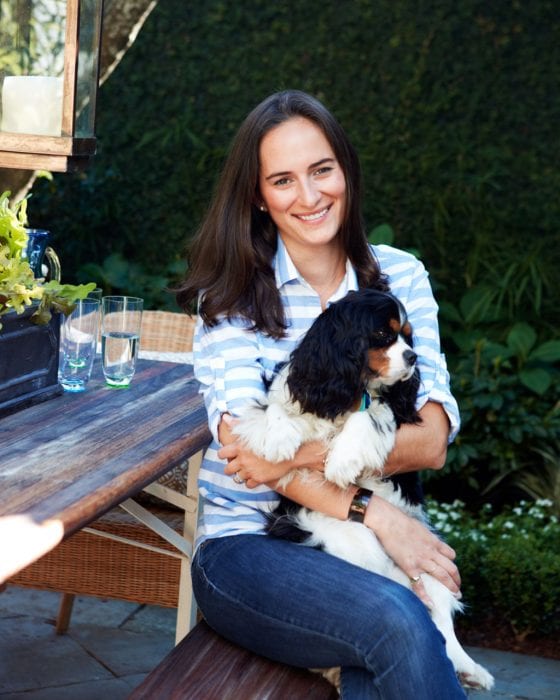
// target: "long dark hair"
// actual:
[[230, 256]]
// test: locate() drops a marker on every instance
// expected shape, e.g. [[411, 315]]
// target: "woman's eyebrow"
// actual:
[[311, 167]]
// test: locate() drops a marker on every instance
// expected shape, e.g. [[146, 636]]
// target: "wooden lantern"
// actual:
[[49, 75]]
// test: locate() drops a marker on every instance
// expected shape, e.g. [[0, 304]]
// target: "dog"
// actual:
[[351, 382]]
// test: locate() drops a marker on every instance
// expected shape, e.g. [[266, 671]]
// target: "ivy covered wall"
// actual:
[[453, 106]]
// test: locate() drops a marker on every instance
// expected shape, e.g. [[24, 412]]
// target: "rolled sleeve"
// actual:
[[227, 364]]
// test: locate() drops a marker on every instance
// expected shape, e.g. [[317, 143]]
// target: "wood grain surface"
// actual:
[[205, 666], [76, 456]]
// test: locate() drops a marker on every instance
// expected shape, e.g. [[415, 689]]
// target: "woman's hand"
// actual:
[[254, 470], [249, 468], [413, 547]]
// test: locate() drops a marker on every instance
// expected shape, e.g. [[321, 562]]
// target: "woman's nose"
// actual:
[[308, 194]]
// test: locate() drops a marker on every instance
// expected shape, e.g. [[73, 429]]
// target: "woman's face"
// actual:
[[301, 184]]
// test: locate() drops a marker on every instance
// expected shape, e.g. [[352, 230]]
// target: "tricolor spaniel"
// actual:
[[351, 382]]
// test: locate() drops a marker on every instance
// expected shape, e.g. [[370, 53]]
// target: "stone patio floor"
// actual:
[[112, 645]]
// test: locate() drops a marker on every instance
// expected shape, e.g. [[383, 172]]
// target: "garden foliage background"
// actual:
[[454, 108]]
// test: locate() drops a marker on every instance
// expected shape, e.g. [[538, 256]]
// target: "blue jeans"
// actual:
[[305, 608]]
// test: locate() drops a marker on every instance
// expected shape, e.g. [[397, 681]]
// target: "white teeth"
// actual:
[[312, 217]]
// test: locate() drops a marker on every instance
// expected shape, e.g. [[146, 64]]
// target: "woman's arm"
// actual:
[[422, 445]]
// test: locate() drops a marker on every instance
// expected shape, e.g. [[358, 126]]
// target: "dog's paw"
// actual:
[[269, 432], [478, 677], [283, 435], [341, 468], [332, 675]]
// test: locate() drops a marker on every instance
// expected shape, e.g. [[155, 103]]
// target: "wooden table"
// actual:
[[65, 462]]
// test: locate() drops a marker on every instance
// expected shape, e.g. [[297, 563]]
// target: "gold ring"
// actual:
[[414, 579]]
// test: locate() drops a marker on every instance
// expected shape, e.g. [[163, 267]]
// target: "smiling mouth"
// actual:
[[313, 217]]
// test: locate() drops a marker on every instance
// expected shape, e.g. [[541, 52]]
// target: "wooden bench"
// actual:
[[204, 666]]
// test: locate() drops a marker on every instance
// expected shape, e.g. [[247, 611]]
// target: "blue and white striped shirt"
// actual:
[[230, 361]]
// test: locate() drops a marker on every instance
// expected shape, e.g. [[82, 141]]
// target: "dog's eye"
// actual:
[[383, 337]]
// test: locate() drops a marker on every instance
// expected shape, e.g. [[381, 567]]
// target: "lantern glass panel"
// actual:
[[32, 38], [88, 58]]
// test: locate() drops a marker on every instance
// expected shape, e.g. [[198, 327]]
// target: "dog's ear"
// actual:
[[326, 368], [401, 397]]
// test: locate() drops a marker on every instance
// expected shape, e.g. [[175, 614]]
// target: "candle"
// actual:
[[32, 104]]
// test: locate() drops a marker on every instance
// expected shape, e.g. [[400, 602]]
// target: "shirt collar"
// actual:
[[284, 268]]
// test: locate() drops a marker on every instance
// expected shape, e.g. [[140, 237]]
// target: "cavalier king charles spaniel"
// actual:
[[351, 382]]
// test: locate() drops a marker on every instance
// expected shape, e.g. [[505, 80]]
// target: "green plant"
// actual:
[[506, 381], [384, 234], [119, 276], [509, 562], [18, 286]]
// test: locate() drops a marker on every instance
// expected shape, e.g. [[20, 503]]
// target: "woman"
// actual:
[[283, 238]]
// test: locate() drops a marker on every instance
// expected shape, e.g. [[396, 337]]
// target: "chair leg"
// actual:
[[187, 608], [64, 612]]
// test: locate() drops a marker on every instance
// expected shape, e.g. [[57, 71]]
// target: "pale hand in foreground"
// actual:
[[23, 541]]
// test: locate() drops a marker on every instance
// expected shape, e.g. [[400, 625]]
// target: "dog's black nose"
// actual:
[[410, 357]]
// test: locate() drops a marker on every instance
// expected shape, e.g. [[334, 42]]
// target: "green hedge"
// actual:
[[453, 106]]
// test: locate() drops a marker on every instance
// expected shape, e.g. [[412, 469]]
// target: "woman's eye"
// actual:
[[282, 181], [324, 170]]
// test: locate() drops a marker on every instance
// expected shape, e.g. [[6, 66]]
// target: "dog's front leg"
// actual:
[[269, 431], [364, 442]]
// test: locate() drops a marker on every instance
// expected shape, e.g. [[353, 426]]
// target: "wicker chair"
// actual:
[[118, 556]]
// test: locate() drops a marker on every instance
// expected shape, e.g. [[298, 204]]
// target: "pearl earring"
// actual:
[[262, 207]]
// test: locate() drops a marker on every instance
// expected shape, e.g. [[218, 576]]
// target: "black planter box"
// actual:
[[28, 361]]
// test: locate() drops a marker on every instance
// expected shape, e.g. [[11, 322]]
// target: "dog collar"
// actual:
[[365, 402]]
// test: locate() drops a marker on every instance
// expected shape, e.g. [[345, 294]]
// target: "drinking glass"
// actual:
[[121, 319], [78, 342], [96, 293]]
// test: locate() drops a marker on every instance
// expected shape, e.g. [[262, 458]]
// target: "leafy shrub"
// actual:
[[507, 383], [119, 276], [509, 563]]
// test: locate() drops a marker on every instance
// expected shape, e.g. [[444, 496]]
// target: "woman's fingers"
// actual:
[[229, 452], [252, 469], [417, 586], [413, 547], [225, 434]]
